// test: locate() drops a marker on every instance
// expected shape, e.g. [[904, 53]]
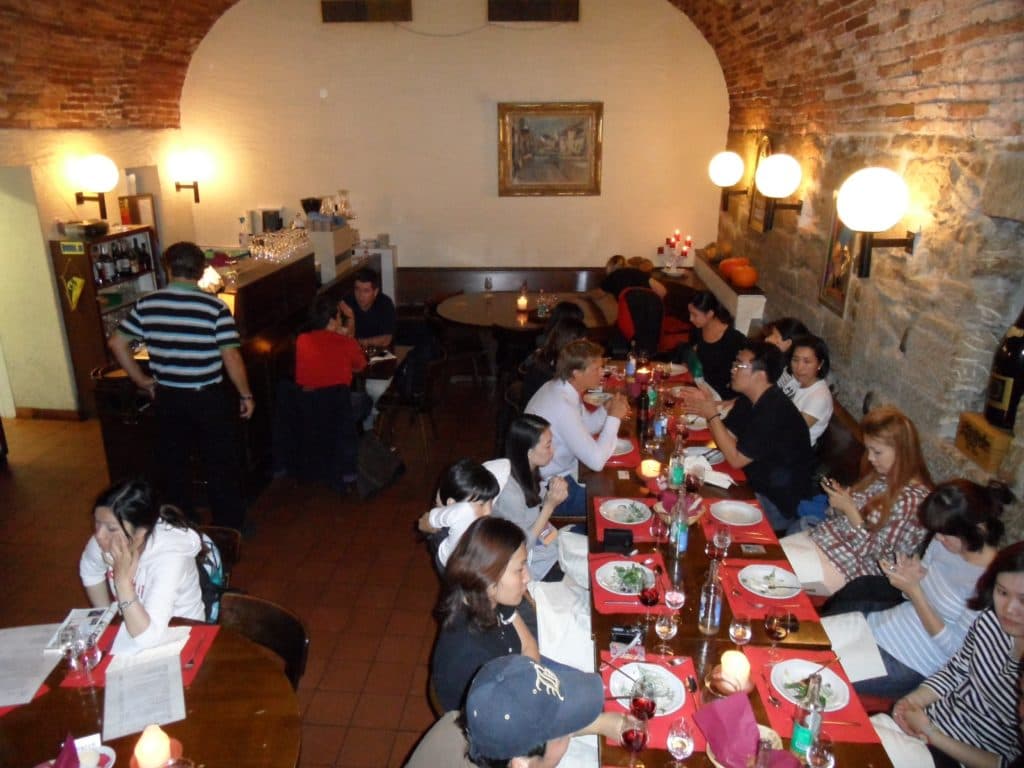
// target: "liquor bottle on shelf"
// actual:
[[97, 267], [123, 265], [107, 264], [1006, 382], [807, 722], [145, 261], [134, 255]]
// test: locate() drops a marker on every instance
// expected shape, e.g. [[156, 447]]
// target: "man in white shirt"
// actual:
[[577, 433]]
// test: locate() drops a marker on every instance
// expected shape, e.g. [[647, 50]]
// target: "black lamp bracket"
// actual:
[[194, 186], [82, 198]]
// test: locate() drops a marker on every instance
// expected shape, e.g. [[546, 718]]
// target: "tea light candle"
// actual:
[[522, 303], [650, 468], [643, 375], [153, 748], [736, 669]]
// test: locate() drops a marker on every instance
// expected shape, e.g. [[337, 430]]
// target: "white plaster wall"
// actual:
[[408, 124]]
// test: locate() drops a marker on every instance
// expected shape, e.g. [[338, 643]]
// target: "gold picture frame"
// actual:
[[839, 262], [758, 202], [550, 149]]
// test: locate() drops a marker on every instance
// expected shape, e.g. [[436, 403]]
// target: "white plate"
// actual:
[[835, 691], [623, 446], [736, 513], [625, 511], [675, 369], [696, 422], [670, 694], [107, 757], [764, 733], [769, 581], [610, 579], [597, 398], [673, 271]]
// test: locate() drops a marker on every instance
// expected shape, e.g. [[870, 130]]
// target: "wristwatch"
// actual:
[[124, 604]]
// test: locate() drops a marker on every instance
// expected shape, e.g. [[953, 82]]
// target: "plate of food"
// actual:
[[623, 577], [736, 513], [625, 511], [669, 693], [623, 446], [764, 733], [597, 398], [769, 581], [789, 678]]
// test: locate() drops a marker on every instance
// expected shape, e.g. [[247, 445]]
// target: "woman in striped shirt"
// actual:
[[968, 712], [917, 636]]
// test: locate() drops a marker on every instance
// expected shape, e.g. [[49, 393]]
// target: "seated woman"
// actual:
[[539, 368], [528, 448], [144, 557], [781, 333], [931, 618], [967, 712], [876, 516], [467, 491], [622, 273], [484, 611], [808, 366], [717, 342]]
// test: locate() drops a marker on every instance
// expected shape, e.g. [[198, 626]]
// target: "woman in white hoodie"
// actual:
[[144, 557]]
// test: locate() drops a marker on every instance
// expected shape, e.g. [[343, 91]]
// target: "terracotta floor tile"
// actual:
[[330, 708], [321, 743], [416, 715], [346, 676], [390, 675], [408, 622], [377, 710], [366, 748], [398, 648], [402, 747]]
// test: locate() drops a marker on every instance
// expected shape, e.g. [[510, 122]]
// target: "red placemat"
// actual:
[[781, 718], [759, 533], [746, 603], [42, 690], [641, 531], [658, 727], [736, 474], [200, 638], [629, 460], [609, 602]]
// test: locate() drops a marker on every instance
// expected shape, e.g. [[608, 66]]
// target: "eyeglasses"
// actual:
[[737, 365]]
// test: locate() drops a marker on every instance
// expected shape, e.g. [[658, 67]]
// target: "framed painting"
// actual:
[[549, 148], [758, 202], [835, 275]]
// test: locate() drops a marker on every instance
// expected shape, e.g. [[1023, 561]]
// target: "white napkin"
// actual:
[[572, 557], [853, 642], [904, 751], [711, 477], [802, 554], [382, 357], [171, 643], [563, 622]]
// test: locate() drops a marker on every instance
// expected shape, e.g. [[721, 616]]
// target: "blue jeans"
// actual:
[[898, 681], [575, 504], [781, 524]]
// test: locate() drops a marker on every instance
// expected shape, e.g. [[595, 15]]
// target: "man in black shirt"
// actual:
[[764, 434]]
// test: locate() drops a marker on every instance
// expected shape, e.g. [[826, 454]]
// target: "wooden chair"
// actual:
[[229, 544], [419, 405], [270, 625]]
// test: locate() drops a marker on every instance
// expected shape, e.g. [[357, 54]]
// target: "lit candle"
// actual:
[[643, 375], [736, 669], [650, 468], [153, 748], [522, 303], [689, 241]]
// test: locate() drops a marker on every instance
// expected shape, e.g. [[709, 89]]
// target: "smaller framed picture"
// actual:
[[839, 258], [758, 202]]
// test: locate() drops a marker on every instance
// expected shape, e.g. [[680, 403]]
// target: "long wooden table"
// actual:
[[705, 651], [240, 711]]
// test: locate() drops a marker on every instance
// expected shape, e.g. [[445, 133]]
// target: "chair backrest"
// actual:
[[640, 316], [229, 544], [270, 625]]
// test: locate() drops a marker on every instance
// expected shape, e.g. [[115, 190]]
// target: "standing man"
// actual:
[[192, 341], [764, 434], [369, 318]]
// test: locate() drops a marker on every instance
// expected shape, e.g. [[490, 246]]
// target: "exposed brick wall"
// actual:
[[101, 64]]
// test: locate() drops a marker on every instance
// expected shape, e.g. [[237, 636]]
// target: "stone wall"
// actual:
[[935, 91]]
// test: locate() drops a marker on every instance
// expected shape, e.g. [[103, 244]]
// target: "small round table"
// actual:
[[497, 309]]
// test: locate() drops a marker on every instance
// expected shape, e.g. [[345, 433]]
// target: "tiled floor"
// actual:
[[353, 571]]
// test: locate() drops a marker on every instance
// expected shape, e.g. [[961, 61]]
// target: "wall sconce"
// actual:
[[188, 169], [874, 200], [95, 173], [778, 176], [726, 169]]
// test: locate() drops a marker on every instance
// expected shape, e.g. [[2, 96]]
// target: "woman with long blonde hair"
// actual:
[[874, 519]]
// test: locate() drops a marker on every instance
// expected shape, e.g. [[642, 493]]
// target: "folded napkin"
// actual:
[[741, 534], [641, 531], [657, 727], [834, 724], [630, 460], [731, 731], [853, 641], [606, 601], [747, 603], [68, 757]]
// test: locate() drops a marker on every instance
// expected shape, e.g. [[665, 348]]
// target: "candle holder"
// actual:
[[650, 469], [716, 685], [176, 761], [731, 676]]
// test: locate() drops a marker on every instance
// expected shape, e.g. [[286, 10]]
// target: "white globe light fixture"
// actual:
[[874, 200], [778, 176], [726, 169], [95, 173]]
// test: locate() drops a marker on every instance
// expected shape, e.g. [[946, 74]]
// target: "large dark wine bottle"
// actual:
[[1007, 380]]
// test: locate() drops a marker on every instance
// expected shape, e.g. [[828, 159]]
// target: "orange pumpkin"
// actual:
[[744, 276], [726, 266]]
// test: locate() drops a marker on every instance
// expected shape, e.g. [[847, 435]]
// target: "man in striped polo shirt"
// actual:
[[192, 340]]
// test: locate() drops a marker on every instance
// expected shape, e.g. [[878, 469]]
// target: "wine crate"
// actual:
[[984, 444]]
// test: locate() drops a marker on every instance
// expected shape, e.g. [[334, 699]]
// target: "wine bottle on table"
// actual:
[[807, 722], [1007, 380], [709, 614]]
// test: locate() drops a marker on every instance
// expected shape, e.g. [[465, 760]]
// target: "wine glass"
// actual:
[[740, 630], [665, 628], [659, 530], [71, 646], [820, 754], [649, 595], [695, 478], [643, 698], [680, 741], [633, 736], [776, 625], [717, 547]]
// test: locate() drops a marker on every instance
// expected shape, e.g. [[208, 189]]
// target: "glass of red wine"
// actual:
[[633, 736], [776, 625], [643, 699], [659, 530], [649, 595]]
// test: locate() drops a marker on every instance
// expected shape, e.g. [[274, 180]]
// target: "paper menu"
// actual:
[[23, 664], [140, 692]]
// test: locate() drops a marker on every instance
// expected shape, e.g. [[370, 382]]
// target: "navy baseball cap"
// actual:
[[515, 704]]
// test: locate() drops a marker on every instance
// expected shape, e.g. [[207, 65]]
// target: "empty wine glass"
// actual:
[[776, 625], [740, 630], [72, 646], [820, 754], [665, 628], [659, 530], [633, 736], [680, 741], [722, 539]]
